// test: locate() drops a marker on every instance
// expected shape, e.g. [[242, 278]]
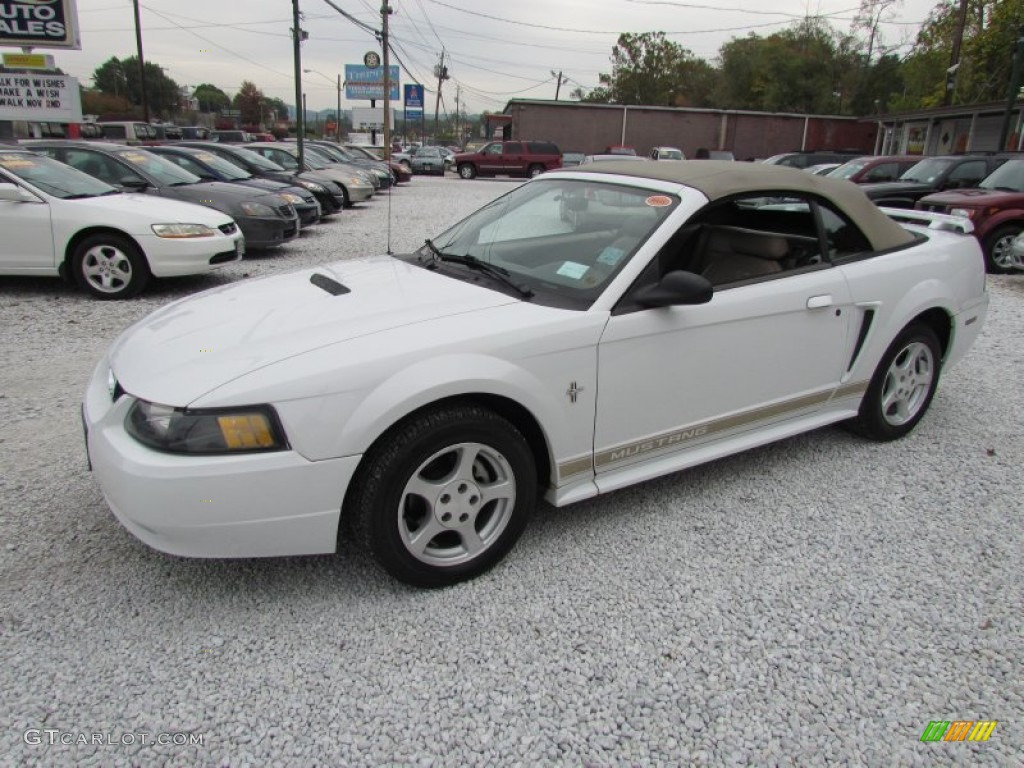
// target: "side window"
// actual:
[[968, 174], [514, 148], [100, 166], [282, 158], [882, 172], [492, 149], [841, 235], [746, 238]]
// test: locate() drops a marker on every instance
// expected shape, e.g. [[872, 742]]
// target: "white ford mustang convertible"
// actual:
[[590, 329]]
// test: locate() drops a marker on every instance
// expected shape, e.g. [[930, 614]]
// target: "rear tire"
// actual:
[[902, 387], [998, 259], [444, 495], [535, 170], [110, 266], [467, 171]]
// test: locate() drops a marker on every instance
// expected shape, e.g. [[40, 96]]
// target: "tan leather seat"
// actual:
[[731, 255]]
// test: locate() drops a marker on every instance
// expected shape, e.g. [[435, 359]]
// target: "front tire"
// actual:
[[467, 171], [444, 495], [110, 266], [902, 387], [998, 256]]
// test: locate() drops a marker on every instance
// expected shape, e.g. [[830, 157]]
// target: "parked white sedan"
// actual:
[[590, 329], [59, 221]]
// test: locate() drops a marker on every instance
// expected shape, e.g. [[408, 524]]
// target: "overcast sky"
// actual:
[[490, 59]]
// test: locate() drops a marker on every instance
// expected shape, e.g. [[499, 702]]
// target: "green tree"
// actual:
[[278, 107], [249, 101], [648, 68], [211, 98], [120, 77]]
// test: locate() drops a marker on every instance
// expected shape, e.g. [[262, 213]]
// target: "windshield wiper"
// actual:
[[498, 273]]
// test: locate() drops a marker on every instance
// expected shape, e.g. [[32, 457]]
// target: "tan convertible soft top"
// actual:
[[720, 178]]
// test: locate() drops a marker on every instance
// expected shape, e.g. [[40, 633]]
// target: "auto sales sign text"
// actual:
[[39, 24]]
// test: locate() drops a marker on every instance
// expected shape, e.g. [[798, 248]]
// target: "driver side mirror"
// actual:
[[129, 182], [676, 288], [12, 193]]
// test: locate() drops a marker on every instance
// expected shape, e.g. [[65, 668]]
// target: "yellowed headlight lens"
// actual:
[[246, 431]]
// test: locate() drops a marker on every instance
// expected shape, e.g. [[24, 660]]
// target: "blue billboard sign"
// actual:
[[362, 83], [413, 96]]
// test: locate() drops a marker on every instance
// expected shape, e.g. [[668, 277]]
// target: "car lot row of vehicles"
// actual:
[[111, 216]]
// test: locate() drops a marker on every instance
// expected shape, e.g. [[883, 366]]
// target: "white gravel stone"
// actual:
[[813, 602]]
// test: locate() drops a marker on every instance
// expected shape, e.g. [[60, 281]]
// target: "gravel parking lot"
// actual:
[[814, 602]]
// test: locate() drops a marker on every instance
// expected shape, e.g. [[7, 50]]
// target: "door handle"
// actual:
[[817, 302]]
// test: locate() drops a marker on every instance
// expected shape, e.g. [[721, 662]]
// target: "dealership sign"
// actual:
[[40, 98], [362, 82], [414, 102], [39, 24]]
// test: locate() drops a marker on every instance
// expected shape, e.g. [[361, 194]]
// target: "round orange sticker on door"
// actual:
[[658, 201]]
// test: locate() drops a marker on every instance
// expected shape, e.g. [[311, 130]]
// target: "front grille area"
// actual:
[[932, 208], [223, 257], [286, 210], [228, 229]]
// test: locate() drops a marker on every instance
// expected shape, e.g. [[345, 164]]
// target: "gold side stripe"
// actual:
[[680, 436]]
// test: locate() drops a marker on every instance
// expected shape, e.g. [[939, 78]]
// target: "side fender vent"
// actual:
[[865, 326]]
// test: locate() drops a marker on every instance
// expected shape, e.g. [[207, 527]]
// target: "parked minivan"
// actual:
[[128, 132]]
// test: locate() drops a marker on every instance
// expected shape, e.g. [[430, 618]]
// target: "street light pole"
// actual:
[[385, 11], [337, 114]]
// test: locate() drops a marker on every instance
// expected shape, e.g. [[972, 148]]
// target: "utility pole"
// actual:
[[1011, 96], [142, 63], [558, 87], [442, 75], [300, 120], [954, 57], [458, 94], [385, 11]]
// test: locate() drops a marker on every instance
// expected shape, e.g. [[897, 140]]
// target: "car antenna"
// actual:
[[391, 191]]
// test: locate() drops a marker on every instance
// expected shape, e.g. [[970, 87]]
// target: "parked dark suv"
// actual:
[[933, 174], [509, 158], [996, 208]]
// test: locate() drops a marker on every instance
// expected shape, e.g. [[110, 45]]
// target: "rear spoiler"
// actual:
[[931, 220]]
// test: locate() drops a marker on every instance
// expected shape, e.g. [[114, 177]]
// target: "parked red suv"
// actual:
[[509, 158], [996, 208]]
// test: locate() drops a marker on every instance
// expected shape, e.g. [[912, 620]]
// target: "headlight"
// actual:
[[257, 209], [182, 230], [966, 213], [292, 198], [359, 180], [312, 186], [221, 430]]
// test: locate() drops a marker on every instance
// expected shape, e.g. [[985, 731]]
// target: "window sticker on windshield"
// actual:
[[611, 255], [658, 201], [206, 158], [573, 270], [134, 157], [16, 161]]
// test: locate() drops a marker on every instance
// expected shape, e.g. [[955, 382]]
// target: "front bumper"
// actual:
[[173, 257], [359, 193], [246, 505], [267, 231]]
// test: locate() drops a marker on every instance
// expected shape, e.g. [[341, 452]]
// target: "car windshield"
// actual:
[[163, 171], [848, 169], [52, 177], [334, 153], [256, 159], [315, 161], [365, 151], [223, 167], [670, 154], [927, 171], [1008, 177], [564, 240]]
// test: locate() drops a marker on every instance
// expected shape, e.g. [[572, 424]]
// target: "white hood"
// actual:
[[192, 346], [143, 210]]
